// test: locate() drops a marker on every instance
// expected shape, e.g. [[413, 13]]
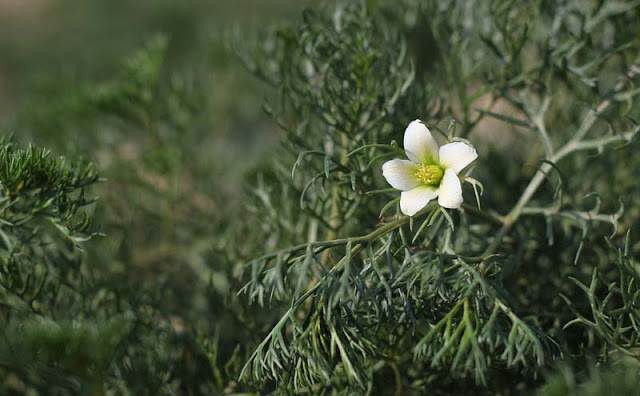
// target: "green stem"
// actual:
[[570, 147], [576, 143], [473, 211], [334, 216], [370, 237]]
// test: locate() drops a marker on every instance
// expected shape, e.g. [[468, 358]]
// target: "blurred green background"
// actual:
[[87, 38], [45, 43], [65, 63], [152, 93]]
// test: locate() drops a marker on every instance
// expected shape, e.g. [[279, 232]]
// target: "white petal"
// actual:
[[400, 174], [457, 155], [412, 201], [450, 190], [419, 144]]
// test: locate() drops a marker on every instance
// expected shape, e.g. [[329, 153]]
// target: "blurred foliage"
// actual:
[[230, 254], [621, 379], [160, 131]]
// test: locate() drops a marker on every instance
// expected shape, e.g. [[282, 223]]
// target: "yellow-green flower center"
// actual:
[[429, 174]]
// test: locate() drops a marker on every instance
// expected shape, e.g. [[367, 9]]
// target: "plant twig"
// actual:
[[573, 145]]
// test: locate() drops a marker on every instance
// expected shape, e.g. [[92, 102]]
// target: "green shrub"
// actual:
[[311, 278]]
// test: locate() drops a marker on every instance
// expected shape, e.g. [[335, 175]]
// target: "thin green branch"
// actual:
[[473, 211], [570, 147]]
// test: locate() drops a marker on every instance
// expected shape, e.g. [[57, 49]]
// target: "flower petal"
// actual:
[[419, 144], [457, 155], [400, 174], [412, 201], [450, 190]]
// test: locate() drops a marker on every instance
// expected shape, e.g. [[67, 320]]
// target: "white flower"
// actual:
[[431, 171]]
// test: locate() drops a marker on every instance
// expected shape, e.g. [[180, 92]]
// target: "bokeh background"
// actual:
[[49, 42], [152, 92], [158, 95], [63, 62]]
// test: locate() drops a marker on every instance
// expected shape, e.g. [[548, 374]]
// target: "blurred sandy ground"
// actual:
[[17, 18], [89, 38], [21, 6]]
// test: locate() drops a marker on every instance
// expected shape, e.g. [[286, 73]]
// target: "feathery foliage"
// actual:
[[311, 280], [414, 296]]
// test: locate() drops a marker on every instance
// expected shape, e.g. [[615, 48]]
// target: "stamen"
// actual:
[[429, 174]]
